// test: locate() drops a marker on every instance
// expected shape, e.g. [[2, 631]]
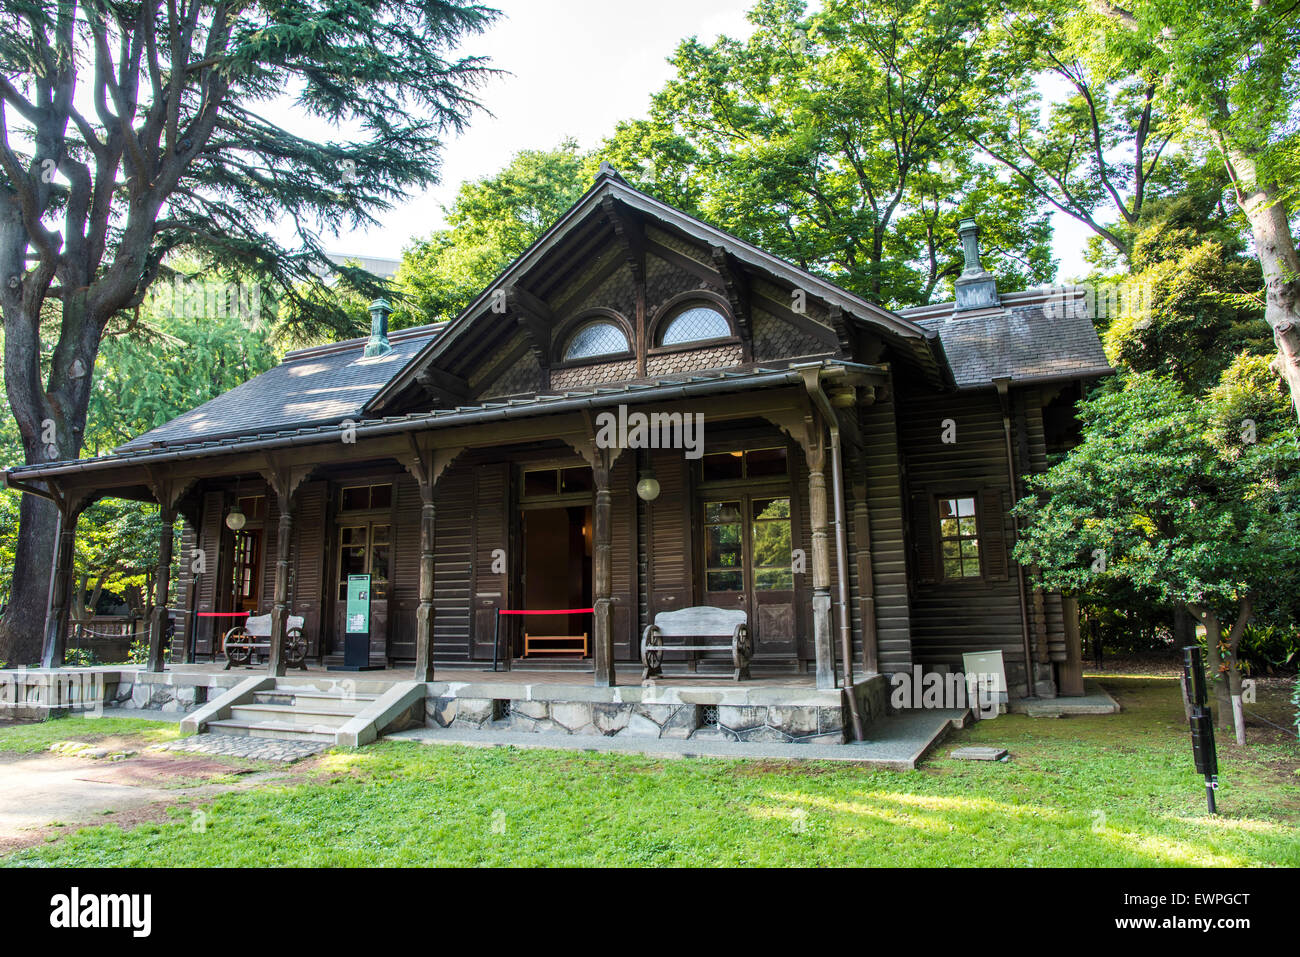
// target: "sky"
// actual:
[[576, 68]]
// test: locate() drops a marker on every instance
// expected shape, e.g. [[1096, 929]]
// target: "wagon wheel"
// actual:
[[652, 652], [295, 648], [745, 646], [237, 653]]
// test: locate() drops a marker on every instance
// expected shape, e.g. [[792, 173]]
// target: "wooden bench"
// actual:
[[703, 621], [580, 640], [253, 637]]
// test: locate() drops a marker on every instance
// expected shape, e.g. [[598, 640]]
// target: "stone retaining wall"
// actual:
[[778, 723]]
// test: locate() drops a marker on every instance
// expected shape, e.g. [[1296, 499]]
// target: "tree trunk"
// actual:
[[1270, 227], [1214, 663], [23, 625]]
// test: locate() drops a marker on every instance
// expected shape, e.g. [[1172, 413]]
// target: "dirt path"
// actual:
[[45, 794]]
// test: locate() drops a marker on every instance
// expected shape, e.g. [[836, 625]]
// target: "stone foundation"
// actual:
[[733, 713]]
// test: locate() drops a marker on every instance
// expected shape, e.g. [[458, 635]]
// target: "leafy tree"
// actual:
[[1162, 497], [1190, 303], [1088, 136], [1229, 68], [176, 156], [492, 221], [837, 140]]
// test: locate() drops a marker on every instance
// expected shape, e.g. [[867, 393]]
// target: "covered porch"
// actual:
[[423, 613]]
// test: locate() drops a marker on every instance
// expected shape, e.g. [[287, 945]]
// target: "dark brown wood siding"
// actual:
[[623, 557], [309, 541], [404, 587], [209, 539], [882, 464], [951, 617], [670, 583], [454, 534], [491, 532]]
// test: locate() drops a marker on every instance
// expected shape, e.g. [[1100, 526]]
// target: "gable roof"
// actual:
[[317, 386], [1033, 336], [922, 344]]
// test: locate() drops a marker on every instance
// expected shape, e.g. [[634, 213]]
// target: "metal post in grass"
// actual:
[[1203, 753]]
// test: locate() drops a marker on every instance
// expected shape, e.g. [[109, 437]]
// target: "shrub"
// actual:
[[80, 658]]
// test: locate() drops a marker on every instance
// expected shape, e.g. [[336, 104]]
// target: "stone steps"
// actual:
[[273, 729], [291, 715], [315, 700], [329, 711]]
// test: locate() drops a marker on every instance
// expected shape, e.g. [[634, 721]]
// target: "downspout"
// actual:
[[812, 381], [1002, 383]]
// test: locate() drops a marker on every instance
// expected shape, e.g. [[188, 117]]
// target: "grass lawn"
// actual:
[[1113, 790], [31, 738]]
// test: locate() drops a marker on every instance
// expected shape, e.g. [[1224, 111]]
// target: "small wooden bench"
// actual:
[[566, 644], [703, 621], [253, 637]]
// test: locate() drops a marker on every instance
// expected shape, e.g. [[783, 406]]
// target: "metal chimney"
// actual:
[[976, 287], [378, 344]]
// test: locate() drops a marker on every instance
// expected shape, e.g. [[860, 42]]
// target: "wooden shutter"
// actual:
[[308, 559], [925, 523], [491, 531], [992, 530], [669, 525], [453, 565], [623, 557], [270, 552], [404, 573], [209, 540]]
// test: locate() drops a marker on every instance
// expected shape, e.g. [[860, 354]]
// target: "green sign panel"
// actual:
[[358, 610]]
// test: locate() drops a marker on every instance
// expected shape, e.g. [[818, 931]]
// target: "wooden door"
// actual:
[[363, 548], [492, 549], [747, 565]]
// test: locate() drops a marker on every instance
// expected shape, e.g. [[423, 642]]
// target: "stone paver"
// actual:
[[242, 746]]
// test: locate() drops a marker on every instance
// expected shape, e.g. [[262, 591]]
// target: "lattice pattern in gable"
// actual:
[[676, 243], [664, 280], [524, 377], [776, 339], [813, 308]]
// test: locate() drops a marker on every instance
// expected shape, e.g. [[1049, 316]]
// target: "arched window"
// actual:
[[695, 324], [599, 338]]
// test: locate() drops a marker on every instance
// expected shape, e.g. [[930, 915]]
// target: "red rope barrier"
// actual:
[[548, 611], [222, 614]]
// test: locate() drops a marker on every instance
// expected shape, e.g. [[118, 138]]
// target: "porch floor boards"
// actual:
[[627, 676]]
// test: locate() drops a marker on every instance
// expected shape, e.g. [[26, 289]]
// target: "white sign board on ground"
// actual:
[[986, 676]]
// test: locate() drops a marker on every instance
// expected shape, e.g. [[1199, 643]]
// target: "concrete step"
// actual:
[[315, 700], [290, 714], [358, 686], [272, 729]]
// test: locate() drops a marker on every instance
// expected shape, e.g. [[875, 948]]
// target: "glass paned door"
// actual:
[[748, 565], [364, 548]]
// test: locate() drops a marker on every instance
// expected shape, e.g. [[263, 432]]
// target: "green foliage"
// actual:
[[836, 140], [80, 658], [398, 803], [1192, 299], [492, 221], [139, 653], [1174, 513], [1268, 648]]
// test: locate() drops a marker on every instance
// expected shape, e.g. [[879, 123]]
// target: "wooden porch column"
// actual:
[[280, 608], [424, 614], [602, 627], [162, 585], [56, 622], [823, 647], [284, 482]]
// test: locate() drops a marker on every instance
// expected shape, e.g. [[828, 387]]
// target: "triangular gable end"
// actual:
[[624, 258]]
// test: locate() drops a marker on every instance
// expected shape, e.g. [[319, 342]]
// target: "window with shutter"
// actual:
[[924, 565], [992, 520]]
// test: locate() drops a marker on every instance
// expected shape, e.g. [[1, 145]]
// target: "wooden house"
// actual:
[[850, 491]]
